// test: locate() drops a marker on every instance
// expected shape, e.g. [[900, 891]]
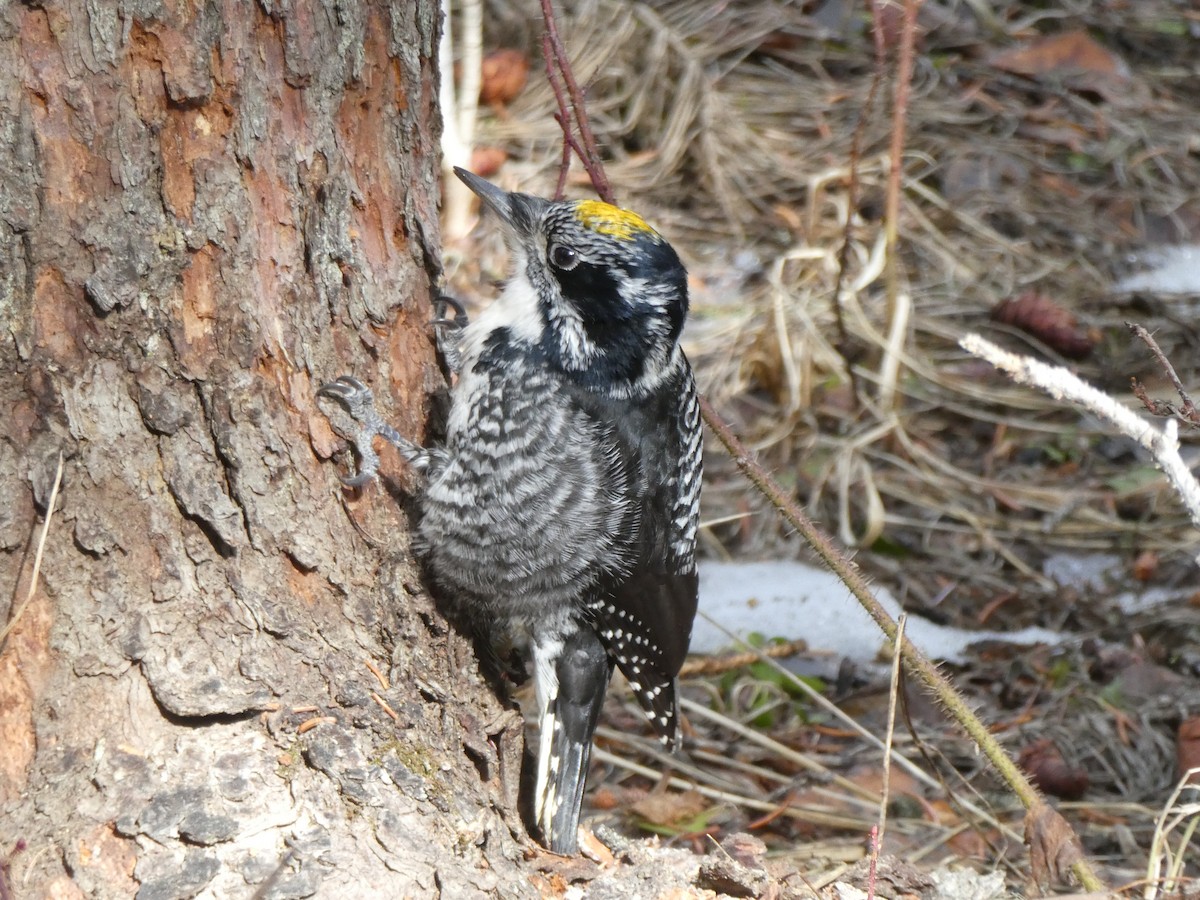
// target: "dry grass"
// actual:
[[730, 125]]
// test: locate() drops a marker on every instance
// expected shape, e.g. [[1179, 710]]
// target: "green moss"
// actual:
[[414, 757], [290, 761]]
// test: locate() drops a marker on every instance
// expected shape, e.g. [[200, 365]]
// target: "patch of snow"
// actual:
[[1171, 270], [793, 600], [1130, 602], [1084, 571], [1092, 573], [967, 884]]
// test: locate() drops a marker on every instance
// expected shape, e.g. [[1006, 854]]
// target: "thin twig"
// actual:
[[822, 702], [915, 662], [37, 556], [800, 813], [266, 887], [717, 665], [569, 140], [379, 676], [1153, 405], [847, 347], [561, 116], [383, 704], [591, 154], [893, 694], [873, 858], [801, 760], [1188, 410], [891, 216], [1062, 384]]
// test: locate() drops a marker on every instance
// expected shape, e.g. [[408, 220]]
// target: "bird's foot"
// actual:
[[357, 400], [448, 330]]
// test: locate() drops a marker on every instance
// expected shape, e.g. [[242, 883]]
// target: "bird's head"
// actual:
[[593, 287]]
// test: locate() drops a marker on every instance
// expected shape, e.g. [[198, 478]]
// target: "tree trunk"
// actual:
[[228, 671]]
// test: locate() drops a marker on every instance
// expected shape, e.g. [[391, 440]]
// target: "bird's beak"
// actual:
[[518, 212], [500, 201]]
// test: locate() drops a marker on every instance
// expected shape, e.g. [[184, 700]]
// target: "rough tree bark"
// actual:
[[205, 210]]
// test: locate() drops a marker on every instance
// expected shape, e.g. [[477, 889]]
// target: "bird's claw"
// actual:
[[356, 481], [448, 330], [358, 401], [351, 394], [460, 320]]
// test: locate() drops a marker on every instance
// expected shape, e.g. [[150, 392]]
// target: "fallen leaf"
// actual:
[[486, 161], [1053, 845], [670, 808], [1145, 566], [745, 848], [1146, 682], [594, 849], [971, 843], [604, 798], [503, 76], [1072, 52], [1047, 769], [1076, 62], [1187, 748]]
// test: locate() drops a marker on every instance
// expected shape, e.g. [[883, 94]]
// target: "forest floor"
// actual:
[[1051, 164]]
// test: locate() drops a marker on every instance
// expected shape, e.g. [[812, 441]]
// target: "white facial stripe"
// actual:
[[516, 309], [577, 349]]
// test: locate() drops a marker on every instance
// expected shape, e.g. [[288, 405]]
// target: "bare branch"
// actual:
[[1188, 411], [1062, 384], [589, 154]]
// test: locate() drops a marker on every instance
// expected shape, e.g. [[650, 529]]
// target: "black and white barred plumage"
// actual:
[[562, 510]]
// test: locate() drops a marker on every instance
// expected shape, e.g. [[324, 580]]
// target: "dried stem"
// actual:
[[459, 110], [891, 217], [587, 149], [893, 695], [716, 665], [1062, 384], [37, 557], [915, 663], [847, 346], [1188, 411]]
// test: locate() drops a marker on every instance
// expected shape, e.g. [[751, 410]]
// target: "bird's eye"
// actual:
[[563, 257]]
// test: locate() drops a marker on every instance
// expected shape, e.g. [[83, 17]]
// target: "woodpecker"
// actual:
[[560, 514]]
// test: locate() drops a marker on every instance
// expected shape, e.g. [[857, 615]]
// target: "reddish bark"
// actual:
[[204, 213]]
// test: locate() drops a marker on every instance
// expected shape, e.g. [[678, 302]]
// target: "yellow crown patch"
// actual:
[[604, 218]]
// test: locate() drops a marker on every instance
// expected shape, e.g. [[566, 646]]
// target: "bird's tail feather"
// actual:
[[568, 718], [560, 797]]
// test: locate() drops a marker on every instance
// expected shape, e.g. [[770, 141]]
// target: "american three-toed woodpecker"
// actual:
[[562, 511]]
